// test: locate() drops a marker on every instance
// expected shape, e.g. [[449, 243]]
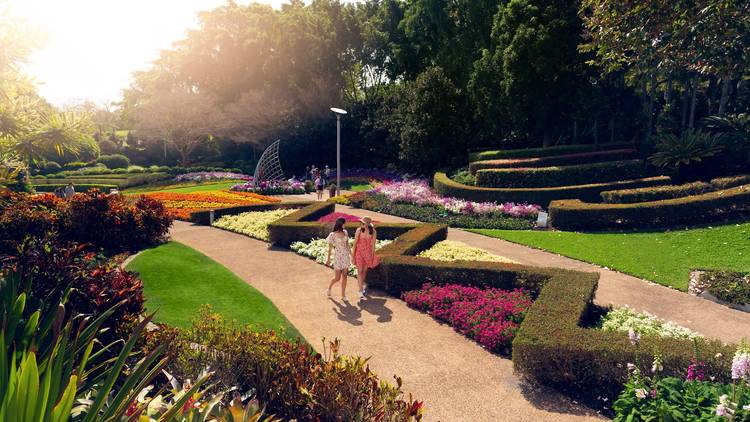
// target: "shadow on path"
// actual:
[[376, 306], [347, 312]]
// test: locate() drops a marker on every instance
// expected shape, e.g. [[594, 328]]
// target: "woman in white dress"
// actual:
[[338, 243]]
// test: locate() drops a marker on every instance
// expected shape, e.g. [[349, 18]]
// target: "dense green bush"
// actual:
[[542, 196], [629, 196], [577, 215], [74, 165], [49, 167], [432, 214], [552, 348], [555, 160], [545, 152], [79, 187], [562, 176], [114, 161]]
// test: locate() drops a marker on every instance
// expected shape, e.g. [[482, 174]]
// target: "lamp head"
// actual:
[[338, 110]]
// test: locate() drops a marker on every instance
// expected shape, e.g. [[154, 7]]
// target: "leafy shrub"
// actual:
[[729, 286], [628, 196], [114, 161], [341, 199], [291, 379], [136, 169], [555, 160], [49, 167], [488, 316], [712, 206], [691, 148], [545, 152], [543, 196], [730, 182], [74, 165], [626, 319], [24, 215], [561, 176], [464, 176], [450, 250]]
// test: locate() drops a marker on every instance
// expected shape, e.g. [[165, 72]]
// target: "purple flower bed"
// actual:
[[202, 176], [488, 316], [272, 187], [418, 192], [330, 218]]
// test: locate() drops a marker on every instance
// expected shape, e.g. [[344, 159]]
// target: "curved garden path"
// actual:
[[706, 317], [457, 379]]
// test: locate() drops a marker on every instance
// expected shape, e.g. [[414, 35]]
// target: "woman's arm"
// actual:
[[328, 259], [356, 241], [374, 239]]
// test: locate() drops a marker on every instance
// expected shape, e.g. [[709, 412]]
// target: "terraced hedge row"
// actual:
[[544, 177], [545, 152], [555, 160], [542, 196], [122, 181], [574, 214]]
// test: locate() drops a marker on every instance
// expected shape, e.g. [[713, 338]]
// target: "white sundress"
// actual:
[[341, 258]]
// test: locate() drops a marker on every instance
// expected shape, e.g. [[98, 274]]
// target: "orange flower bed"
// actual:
[[181, 205]]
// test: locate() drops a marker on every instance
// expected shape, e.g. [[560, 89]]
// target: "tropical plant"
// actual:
[[680, 152], [733, 131]]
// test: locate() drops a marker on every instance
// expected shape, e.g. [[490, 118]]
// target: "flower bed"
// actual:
[[332, 217], [488, 316], [449, 250], [729, 287], [204, 176], [317, 249], [273, 187], [180, 205], [253, 224], [626, 320]]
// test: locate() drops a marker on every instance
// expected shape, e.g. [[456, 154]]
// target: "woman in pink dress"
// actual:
[[364, 252]]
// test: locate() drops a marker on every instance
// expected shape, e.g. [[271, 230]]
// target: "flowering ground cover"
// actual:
[[181, 205], [203, 176], [253, 224], [626, 320], [317, 249], [272, 187], [488, 316], [415, 200], [450, 250]]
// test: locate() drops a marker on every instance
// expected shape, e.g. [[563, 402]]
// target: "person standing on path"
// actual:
[[338, 243], [364, 252], [70, 190]]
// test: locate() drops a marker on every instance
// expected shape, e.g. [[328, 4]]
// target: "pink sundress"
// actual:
[[364, 255]]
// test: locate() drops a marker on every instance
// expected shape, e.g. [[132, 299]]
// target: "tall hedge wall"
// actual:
[[555, 160], [542, 196], [545, 152], [574, 214], [562, 176]]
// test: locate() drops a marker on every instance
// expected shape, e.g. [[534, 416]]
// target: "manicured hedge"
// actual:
[[122, 181], [545, 152], [416, 240], [542, 196], [79, 187], [552, 348], [562, 176], [204, 217], [576, 215], [555, 160], [630, 196], [730, 182]]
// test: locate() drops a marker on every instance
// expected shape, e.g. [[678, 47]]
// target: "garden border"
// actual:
[[545, 151], [543, 196], [555, 160]]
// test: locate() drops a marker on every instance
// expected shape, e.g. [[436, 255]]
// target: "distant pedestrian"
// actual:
[[319, 186], [338, 244], [70, 190], [307, 173], [363, 252], [327, 174]]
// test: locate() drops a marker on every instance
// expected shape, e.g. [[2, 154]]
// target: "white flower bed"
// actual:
[[317, 249], [449, 250], [253, 224], [645, 324]]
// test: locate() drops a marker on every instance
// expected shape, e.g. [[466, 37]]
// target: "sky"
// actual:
[[92, 47]]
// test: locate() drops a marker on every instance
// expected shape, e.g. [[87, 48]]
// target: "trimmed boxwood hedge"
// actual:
[[545, 152], [555, 160], [730, 182], [630, 196], [121, 180], [50, 187], [542, 196], [552, 348], [562, 176], [574, 214]]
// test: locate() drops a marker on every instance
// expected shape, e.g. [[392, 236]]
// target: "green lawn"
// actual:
[[355, 186], [662, 257], [186, 187], [178, 280]]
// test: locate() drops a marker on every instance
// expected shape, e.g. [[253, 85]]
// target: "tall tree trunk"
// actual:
[[685, 102], [691, 121], [725, 81], [710, 95], [651, 92]]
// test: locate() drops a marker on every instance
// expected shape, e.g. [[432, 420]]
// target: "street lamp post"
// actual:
[[339, 112]]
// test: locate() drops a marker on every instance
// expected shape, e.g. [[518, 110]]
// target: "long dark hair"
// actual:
[[339, 225], [370, 228]]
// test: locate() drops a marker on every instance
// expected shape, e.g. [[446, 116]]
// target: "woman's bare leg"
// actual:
[[344, 275], [361, 273], [333, 281]]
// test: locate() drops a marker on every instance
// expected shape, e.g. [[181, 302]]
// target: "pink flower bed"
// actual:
[[489, 316], [330, 218]]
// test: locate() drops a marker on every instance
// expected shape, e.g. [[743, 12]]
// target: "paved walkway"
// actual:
[[703, 316], [457, 379]]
